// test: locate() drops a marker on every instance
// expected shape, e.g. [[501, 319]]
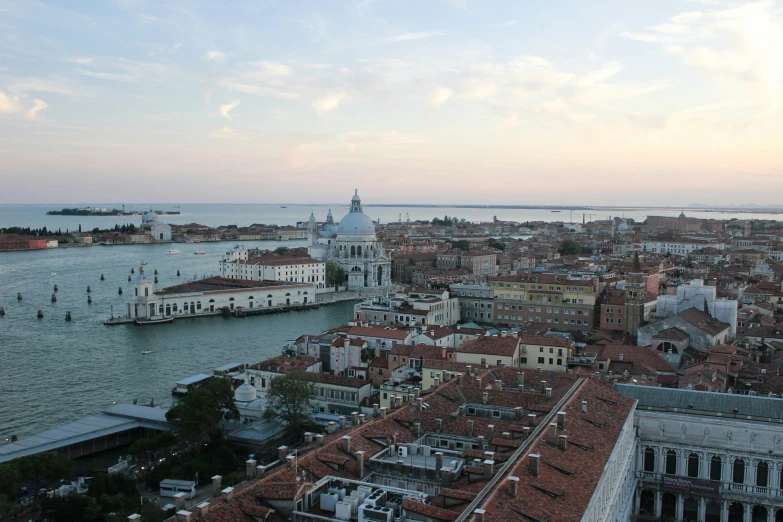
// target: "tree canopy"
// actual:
[[569, 247], [462, 244], [335, 274], [289, 399], [494, 243], [196, 418]]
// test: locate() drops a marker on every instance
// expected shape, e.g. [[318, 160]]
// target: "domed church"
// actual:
[[352, 245]]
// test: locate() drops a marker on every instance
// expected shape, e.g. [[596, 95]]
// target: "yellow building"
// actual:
[[551, 299], [502, 350], [433, 372]]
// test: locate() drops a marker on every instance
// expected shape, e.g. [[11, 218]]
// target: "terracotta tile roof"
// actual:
[[429, 510], [379, 362], [219, 284], [638, 359], [703, 321], [503, 346], [284, 364], [672, 334], [545, 340]]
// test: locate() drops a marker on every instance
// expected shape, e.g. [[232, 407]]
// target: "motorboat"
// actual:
[[170, 252], [146, 352], [200, 253], [158, 320]]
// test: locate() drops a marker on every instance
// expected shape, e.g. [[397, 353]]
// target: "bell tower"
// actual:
[[635, 293]]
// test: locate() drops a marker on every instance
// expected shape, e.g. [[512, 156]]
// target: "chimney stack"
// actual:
[[485, 397], [179, 500], [375, 411], [291, 460], [531, 419], [331, 427], [470, 428], [216, 481], [355, 418], [479, 515], [308, 436], [342, 421], [347, 443], [228, 494], [543, 386], [561, 419], [438, 459], [445, 477], [621, 357], [134, 518], [362, 418], [438, 425], [436, 382], [489, 468], [478, 382], [490, 432], [562, 442], [548, 393], [417, 427], [419, 403], [553, 433], [532, 466], [482, 442], [383, 412], [412, 398], [360, 461], [584, 406], [183, 516], [250, 468], [202, 509], [319, 439], [520, 378], [498, 385], [525, 432], [513, 486], [282, 452], [459, 379]]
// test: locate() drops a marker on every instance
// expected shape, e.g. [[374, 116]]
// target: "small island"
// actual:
[[90, 211]]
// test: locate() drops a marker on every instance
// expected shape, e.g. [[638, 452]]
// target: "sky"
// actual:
[[522, 102]]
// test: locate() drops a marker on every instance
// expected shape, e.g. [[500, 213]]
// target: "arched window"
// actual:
[[353, 250], [671, 462], [693, 465], [716, 468], [198, 305], [762, 475], [738, 475], [668, 347], [359, 250], [649, 460]]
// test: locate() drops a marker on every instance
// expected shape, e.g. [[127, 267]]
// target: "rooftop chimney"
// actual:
[[375, 411], [362, 418], [383, 412], [532, 465], [179, 500], [355, 418], [513, 486], [360, 461], [459, 379], [202, 509], [481, 442], [308, 436], [216, 480], [438, 459], [553, 433], [584, 406], [490, 432], [526, 432], [543, 386], [438, 425], [291, 460], [485, 397], [347, 443], [445, 477], [331, 427], [548, 393], [228, 494], [503, 333], [436, 382], [419, 402], [531, 419], [417, 427], [470, 428], [498, 385], [250, 468], [479, 515], [319, 439], [478, 382], [621, 357], [562, 442], [489, 468], [134, 518], [342, 421], [561, 420], [183, 516], [520, 378], [282, 452]]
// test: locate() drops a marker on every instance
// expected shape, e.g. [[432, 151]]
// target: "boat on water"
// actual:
[[147, 322], [199, 253], [170, 252], [146, 352], [554, 211]]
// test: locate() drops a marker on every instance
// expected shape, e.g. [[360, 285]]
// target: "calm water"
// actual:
[[53, 371], [34, 216]]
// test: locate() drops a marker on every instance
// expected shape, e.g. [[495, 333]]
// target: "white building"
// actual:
[[683, 247], [212, 294], [702, 297], [707, 457], [430, 308], [237, 265], [150, 225], [353, 246]]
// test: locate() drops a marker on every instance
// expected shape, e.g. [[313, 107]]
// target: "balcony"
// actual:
[[724, 487]]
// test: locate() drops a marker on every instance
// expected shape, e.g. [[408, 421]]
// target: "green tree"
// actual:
[[44, 468], [335, 274], [222, 396], [569, 247], [142, 447], [494, 243], [289, 399], [281, 250], [9, 481], [462, 244], [195, 419]]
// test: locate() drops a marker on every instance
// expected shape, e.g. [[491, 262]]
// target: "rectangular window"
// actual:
[[483, 360], [540, 360], [560, 362], [551, 361]]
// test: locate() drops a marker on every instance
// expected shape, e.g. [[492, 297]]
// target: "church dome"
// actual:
[[356, 223], [150, 217], [245, 393], [623, 225]]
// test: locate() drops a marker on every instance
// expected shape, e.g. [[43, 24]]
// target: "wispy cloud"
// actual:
[[408, 36], [215, 56], [8, 104], [439, 96], [509, 23], [38, 105], [226, 109], [81, 60], [228, 133], [329, 102]]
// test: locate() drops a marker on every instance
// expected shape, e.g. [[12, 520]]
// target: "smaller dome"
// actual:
[[245, 393], [150, 216], [623, 225], [356, 196], [312, 217]]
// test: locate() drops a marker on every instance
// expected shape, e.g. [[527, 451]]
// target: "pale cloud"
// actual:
[[38, 105], [266, 69], [408, 36], [439, 96], [503, 25], [215, 56], [56, 85], [81, 60], [225, 109], [8, 104], [329, 102], [229, 134]]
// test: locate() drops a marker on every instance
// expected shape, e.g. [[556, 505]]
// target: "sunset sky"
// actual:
[[599, 102]]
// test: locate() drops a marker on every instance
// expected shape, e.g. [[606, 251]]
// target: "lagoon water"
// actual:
[[53, 371]]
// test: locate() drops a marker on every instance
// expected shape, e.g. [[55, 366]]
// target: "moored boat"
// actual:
[[170, 252], [146, 322]]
